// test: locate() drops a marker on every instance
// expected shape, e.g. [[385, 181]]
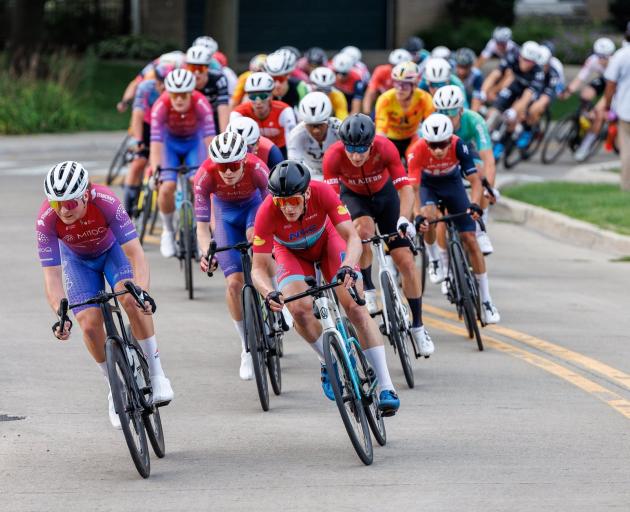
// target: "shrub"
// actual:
[[132, 47], [473, 33], [619, 13]]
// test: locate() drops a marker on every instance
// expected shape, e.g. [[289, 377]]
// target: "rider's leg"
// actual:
[[366, 228], [133, 182]]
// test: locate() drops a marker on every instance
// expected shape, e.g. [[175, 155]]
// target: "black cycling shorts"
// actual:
[[383, 207], [401, 145], [509, 95], [146, 140], [599, 84]]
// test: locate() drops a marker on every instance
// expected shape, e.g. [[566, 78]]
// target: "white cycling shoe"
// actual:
[[423, 341], [436, 272], [490, 313], [113, 417], [484, 243], [162, 390], [246, 371], [444, 287], [370, 301], [167, 244]]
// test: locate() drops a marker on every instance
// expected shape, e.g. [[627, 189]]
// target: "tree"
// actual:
[[27, 27]]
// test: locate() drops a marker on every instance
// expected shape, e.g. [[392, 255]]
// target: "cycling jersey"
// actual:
[[268, 152], [382, 164], [472, 85], [492, 49], [351, 85], [557, 65], [339, 104], [454, 80], [592, 66], [533, 78], [551, 83], [239, 88], [216, 91], [276, 126], [104, 223], [363, 70], [381, 80], [397, 123], [299, 74], [302, 146], [146, 95], [296, 91], [474, 131], [198, 119], [231, 78]]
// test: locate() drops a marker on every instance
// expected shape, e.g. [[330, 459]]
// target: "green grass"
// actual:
[[561, 108], [603, 205]]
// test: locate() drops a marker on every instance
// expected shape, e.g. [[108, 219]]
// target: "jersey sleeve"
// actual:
[[330, 167], [223, 98], [115, 214], [380, 114], [203, 186], [295, 143], [394, 165], [260, 177], [339, 104], [205, 116], [140, 100], [332, 205], [263, 228], [585, 70], [488, 50], [482, 136], [613, 70], [158, 120], [359, 90], [274, 157], [414, 161], [287, 120], [239, 89], [47, 239], [464, 155]]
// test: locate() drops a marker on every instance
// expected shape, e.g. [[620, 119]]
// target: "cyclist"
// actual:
[[595, 64], [212, 83], [297, 73], [436, 165], [256, 65], [238, 181], [499, 46], [471, 77], [381, 79], [313, 58], [146, 95], [323, 80], [182, 126], [349, 81], [471, 128], [366, 169], [83, 233], [400, 110], [280, 64], [275, 118], [355, 56], [438, 73], [303, 222], [315, 133], [212, 46], [258, 145], [415, 46]]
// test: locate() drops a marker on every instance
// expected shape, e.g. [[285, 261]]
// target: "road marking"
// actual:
[[588, 363], [617, 402]]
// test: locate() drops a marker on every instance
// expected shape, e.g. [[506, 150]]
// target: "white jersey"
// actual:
[[232, 79], [591, 66], [557, 65], [301, 146], [492, 49]]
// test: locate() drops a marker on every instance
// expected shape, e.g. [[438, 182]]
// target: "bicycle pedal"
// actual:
[[162, 404], [426, 357], [381, 328]]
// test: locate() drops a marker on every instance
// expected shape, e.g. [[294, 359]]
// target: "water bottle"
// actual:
[[179, 197]]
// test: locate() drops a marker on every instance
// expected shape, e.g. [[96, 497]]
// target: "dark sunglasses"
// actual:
[[439, 145], [356, 149], [258, 96]]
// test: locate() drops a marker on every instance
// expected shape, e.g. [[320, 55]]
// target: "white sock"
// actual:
[[151, 352], [444, 259], [167, 221], [240, 328], [484, 287], [432, 249], [589, 138], [376, 357], [484, 217], [103, 367], [318, 347]]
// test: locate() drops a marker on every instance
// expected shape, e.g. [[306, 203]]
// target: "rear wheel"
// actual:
[[558, 139], [539, 132], [188, 246], [272, 353], [512, 155], [468, 296], [145, 205], [254, 335], [120, 160]]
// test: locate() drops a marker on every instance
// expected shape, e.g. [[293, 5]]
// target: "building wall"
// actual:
[[165, 19], [415, 15]]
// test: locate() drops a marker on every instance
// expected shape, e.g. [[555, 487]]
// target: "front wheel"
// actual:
[[120, 160], [186, 231], [254, 337], [558, 139], [468, 296]]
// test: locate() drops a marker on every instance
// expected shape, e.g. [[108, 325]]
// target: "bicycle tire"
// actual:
[[367, 376], [120, 380], [118, 162], [599, 142], [512, 154], [155, 210], [540, 131], [253, 335], [344, 394], [560, 134], [469, 308], [396, 337], [272, 355], [189, 255], [145, 204]]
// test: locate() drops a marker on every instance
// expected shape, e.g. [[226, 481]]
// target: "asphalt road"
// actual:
[[538, 421]]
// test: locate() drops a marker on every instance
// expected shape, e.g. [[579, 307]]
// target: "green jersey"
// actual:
[[474, 131]]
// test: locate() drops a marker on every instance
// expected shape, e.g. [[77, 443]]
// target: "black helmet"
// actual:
[[414, 44], [357, 130], [288, 178], [316, 56], [465, 57]]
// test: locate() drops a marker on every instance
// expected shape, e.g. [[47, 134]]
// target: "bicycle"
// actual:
[[145, 210], [122, 158], [129, 379], [462, 286], [352, 378], [513, 154], [396, 325], [186, 237], [264, 329]]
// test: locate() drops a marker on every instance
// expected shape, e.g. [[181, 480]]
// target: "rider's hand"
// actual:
[[422, 223], [59, 334], [122, 106], [475, 211], [149, 304], [208, 266], [347, 276], [410, 230], [274, 301]]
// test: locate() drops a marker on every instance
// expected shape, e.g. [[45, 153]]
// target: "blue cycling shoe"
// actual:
[[524, 139], [497, 150], [326, 385], [388, 402]]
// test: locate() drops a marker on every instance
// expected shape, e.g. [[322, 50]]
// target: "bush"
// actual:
[[472, 33], [619, 13], [132, 47], [498, 12]]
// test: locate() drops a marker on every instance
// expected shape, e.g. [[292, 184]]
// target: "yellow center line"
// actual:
[[588, 363], [617, 402]]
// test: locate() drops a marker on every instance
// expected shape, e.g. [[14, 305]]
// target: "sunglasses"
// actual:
[[179, 95], [439, 145], [281, 79], [197, 68], [258, 96], [356, 149], [290, 201], [70, 204], [233, 167], [403, 85], [451, 112], [343, 75], [437, 85], [317, 126]]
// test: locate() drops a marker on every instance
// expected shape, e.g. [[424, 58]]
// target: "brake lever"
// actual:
[[131, 288], [355, 296], [210, 255]]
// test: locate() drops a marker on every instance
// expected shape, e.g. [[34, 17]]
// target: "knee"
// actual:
[[91, 328], [234, 287], [167, 188], [301, 312]]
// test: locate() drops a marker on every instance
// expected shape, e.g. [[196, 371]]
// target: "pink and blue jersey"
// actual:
[[198, 120], [146, 95]]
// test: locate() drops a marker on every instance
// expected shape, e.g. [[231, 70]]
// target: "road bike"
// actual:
[[352, 379], [507, 146], [122, 158], [264, 329], [145, 210], [129, 379]]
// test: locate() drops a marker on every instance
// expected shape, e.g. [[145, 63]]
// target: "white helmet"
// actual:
[[227, 147], [437, 70], [247, 128], [353, 52], [604, 47], [399, 55], [544, 56], [324, 78], [440, 52], [437, 128], [180, 80], [175, 58], [449, 96], [502, 34], [66, 180], [208, 42], [530, 51], [280, 62], [259, 82], [315, 108], [198, 55], [342, 63]]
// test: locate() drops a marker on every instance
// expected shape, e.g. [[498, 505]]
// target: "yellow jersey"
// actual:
[[239, 89], [396, 123], [339, 104]]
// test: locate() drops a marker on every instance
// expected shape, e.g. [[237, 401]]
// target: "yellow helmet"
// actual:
[[258, 62], [406, 72]]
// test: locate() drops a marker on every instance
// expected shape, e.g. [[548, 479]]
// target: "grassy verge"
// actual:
[[559, 109], [603, 205]]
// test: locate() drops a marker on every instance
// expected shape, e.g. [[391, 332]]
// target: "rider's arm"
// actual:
[[490, 81], [128, 95], [354, 247], [330, 167], [274, 157], [339, 103], [485, 54], [295, 143], [205, 118], [287, 121], [53, 284], [263, 267], [223, 112], [135, 255], [469, 170], [203, 186], [262, 262], [489, 165], [137, 119], [368, 100], [158, 128], [380, 115]]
